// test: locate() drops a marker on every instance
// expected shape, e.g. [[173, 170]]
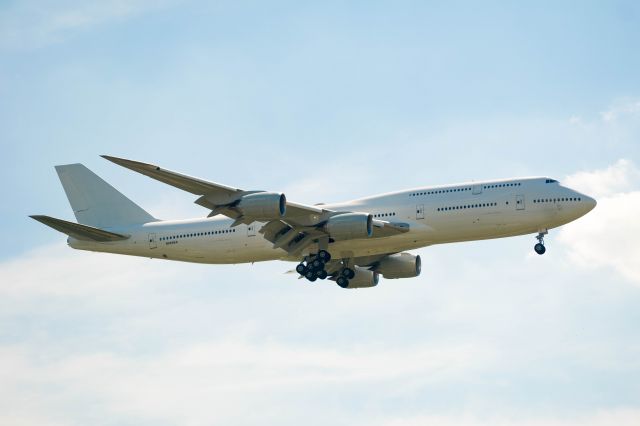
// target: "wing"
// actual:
[[220, 199], [294, 227], [186, 183]]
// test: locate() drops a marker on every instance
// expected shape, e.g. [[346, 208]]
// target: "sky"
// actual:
[[325, 101]]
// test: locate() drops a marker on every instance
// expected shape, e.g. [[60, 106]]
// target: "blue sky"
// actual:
[[326, 102]]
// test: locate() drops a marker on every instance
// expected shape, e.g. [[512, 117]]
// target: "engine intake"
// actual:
[[263, 206], [364, 278], [350, 226], [400, 265]]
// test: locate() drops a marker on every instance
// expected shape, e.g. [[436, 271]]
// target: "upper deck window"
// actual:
[[551, 181]]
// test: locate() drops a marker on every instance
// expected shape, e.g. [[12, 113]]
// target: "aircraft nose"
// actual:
[[590, 203], [586, 203]]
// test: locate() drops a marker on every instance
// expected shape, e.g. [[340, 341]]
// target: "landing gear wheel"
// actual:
[[317, 264], [540, 248], [342, 282], [324, 255], [348, 273], [312, 279], [301, 269], [322, 274], [311, 275]]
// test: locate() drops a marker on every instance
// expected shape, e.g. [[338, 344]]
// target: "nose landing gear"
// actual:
[[539, 247]]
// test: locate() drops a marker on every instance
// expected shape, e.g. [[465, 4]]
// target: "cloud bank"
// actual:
[[608, 236]]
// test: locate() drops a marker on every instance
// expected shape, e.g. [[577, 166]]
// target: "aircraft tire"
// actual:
[[324, 255], [342, 282]]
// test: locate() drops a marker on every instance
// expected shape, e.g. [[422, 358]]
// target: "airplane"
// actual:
[[352, 243]]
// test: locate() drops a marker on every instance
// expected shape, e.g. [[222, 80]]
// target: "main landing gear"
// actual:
[[314, 267], [539, 247], [345, 275]]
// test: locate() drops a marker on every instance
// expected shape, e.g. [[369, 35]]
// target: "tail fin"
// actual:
[[95, 202]]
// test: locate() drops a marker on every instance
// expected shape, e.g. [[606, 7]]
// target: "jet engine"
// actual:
[[263, 206], [350, 226], [364, 278], [400, 265]]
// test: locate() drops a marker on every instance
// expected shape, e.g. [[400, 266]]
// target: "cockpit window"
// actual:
[[551, 181]]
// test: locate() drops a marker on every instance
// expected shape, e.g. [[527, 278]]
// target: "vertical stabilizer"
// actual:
[[95, 202]]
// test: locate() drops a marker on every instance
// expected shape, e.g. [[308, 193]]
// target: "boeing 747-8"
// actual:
[[351, 243]]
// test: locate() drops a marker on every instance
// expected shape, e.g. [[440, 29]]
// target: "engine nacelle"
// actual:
[[350, 226], [364, 278], [400, 265], [263, 206]]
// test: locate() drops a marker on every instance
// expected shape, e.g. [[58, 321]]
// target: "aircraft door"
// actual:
[[477, 189], [519, 202], [152, 241], [251, 230], [420, 211]]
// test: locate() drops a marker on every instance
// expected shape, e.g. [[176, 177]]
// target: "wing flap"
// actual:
[[78, 231]]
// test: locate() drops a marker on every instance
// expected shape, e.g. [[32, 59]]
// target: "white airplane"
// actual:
[[352, 243]]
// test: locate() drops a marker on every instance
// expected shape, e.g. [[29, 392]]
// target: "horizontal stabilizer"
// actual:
[[78, 231]]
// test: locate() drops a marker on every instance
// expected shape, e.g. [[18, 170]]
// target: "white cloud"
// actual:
[[607, 236], [618, 417], [33, 23], [620, 177], [57, 270], [209, 383], [622, 108], [208, 367], [168, 343]]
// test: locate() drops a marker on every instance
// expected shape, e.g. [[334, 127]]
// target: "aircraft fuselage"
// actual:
[[435, 215]]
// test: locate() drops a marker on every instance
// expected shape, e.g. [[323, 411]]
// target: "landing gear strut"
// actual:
[[539, 247], [314, 267]]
